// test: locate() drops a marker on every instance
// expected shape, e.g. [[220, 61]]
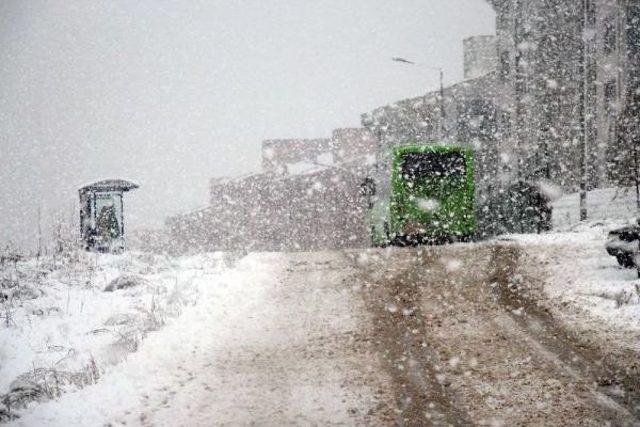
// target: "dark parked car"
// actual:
[[624, 244]]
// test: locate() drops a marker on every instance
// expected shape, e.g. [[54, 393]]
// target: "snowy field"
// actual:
[[68, 320]]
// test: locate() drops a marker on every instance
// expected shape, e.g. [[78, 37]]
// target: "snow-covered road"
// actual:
[[447, 335]]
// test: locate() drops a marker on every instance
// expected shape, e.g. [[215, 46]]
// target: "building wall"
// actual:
[[284, 156], [524, 121], [480, 56], [539, 53], [548, 66], [353, 145], [278, 154], [319, 207], [631, 44], [320, 210]]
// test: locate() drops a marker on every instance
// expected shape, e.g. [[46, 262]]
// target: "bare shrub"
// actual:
[[622, 298], [65, 234], [125, 281], [7, 315], [42, 384]]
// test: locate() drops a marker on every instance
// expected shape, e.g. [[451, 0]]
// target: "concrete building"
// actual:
[[567, 66], [353, 145], [280, 155], [309, 197], [291, 156], [559, 80]]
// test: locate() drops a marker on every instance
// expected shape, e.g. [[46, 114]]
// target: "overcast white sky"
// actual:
[[170, 94]]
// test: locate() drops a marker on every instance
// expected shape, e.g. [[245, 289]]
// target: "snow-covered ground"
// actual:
[[260, 347], [589, 288], [61, 327], [607, 205], [584, 285]]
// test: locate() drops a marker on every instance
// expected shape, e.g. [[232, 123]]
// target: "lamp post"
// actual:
[[443, 114]]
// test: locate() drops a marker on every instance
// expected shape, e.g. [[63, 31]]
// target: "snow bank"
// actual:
[[226, 302], [60, 330], [583, 277], [586, 286], [613, 205]]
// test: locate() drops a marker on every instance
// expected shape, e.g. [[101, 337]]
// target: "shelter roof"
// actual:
[[110, 185]]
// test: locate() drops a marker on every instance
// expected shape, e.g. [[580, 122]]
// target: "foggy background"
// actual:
[[171, 94]]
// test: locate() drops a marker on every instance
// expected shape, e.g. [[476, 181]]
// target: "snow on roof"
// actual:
[[220, 180], [304, 168], [110, 185]]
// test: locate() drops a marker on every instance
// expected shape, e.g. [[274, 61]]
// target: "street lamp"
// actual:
[[443, 114]]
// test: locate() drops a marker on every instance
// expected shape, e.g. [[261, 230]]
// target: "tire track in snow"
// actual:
[[480, 362], [561, 345], [399, 337]]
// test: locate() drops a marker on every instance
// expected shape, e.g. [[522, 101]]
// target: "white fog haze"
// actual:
[[171, 94]]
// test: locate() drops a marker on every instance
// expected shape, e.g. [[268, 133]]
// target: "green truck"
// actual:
[[423, 193]]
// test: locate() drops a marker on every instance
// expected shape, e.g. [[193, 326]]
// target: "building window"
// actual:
[[633, 29], [610, 38], [505, 64], [502, 21], [592, 71], [611, 98], [633, 44], [590, 13]]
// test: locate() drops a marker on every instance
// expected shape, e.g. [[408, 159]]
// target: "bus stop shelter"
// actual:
[[102, 214]]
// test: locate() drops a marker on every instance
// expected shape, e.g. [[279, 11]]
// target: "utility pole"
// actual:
[[518, 87], [443, 113], [584, 107]]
